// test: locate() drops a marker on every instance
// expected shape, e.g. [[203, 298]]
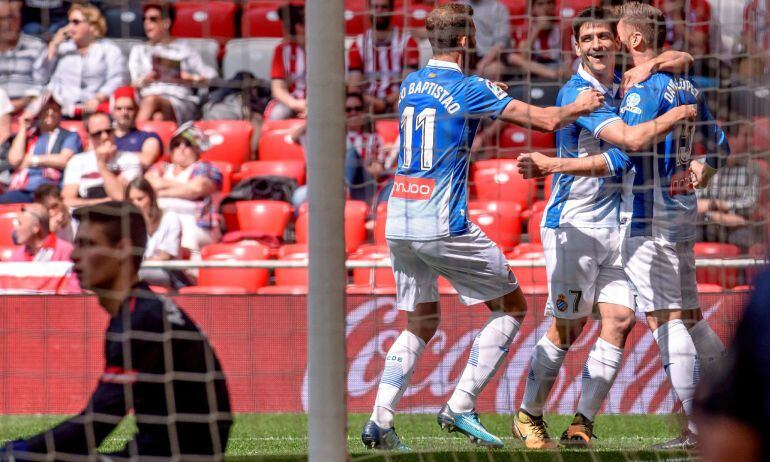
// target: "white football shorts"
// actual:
[[661, 272], [472, 263], [583, 266]]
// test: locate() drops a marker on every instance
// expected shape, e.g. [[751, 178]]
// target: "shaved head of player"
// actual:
[[429, 234]]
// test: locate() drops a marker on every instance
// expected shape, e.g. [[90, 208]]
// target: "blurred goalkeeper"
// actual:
[[159, 364]]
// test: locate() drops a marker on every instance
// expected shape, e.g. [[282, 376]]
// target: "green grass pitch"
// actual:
[[283, 437]]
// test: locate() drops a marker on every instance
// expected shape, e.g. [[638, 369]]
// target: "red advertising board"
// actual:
[[51, 353]]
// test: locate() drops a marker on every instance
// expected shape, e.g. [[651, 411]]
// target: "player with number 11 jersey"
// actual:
[[428, 231]]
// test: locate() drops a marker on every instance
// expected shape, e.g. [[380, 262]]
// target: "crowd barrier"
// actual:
[[51, 353]]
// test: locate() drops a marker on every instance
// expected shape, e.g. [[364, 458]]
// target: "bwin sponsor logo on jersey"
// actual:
[[632, 104]]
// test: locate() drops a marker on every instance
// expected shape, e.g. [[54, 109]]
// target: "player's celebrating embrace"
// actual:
[[428, 231]]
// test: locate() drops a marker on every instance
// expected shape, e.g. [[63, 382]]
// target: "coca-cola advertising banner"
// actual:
[[51, 353]]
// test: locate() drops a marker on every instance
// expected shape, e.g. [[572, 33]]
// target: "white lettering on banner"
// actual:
[[637, 389]]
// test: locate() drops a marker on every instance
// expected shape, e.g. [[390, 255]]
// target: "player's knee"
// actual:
[[564, 332], [622, 325], [513, 303], [425, 326]]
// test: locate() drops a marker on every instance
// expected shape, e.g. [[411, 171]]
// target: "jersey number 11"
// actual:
[[426, 123]]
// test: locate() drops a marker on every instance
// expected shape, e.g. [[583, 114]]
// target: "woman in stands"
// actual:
[[164, 235], [166, 70], [189, 187], [81, 67]]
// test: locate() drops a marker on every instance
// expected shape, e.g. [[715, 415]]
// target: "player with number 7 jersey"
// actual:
[[428, 231]]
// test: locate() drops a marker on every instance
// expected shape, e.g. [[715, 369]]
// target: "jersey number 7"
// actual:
[[426, 123]]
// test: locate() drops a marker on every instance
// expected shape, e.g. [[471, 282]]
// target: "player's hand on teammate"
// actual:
[[589, 100], [533, 165], [700, 174], [636, 75], [690, 112]]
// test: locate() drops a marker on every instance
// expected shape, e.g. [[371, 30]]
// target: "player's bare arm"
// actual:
[[671, 61], [642, 136], [552, 118], [537, 165]]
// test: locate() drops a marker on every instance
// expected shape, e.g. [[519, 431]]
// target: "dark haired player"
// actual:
[[159, 364]]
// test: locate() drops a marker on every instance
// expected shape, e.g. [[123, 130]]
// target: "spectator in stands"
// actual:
[[164, 235], [755, 40], [287, 74], [493, 36], [147, 145], [6, 109], [368, 162], [101, 174], [165, 69], [60, 221], [687, 25], [40, 150], [83, 67], [18, 53], [728, 204], [539, 44], [189, 187], [36, 242], [45, 17], [380, 57]]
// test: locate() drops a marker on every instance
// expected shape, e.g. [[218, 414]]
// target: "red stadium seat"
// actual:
[[249, 279], [706, 288], [499, 220], [163, 128], [10, 208], [379, 223], [283, 126], [274, 146], [367, 279], [547, 187], [294, 169], [499, 179], [514, 140], [388, 130], [264, 217], [289, 280], [230, 140], [726, 277], [355, 224], [77, 127], [213, 19], [8, 222], [213, 290], [227, 175], [445, 287], [260, 19], [533, 227]]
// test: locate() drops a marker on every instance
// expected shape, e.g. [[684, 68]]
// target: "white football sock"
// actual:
[[543, 370], [399, 365], [599, 372], [709, 347], [677, 351], [488, 351]]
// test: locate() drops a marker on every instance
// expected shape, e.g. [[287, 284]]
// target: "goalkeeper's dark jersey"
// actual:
[[162, 367]]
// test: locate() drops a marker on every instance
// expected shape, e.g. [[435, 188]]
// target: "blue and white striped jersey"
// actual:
[[585, 202], [440, 109], [662, 202]]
